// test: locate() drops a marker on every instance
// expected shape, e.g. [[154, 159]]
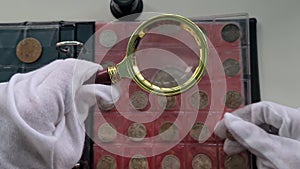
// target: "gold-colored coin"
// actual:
[[170, 162], [200, 132], [235, 162], [201, 161], [107, 132], [137, 132], [139, 100], [29, 50], [138, 162], [199, 100], [169, 132], [107, 162], [233, 99], [167, 102]]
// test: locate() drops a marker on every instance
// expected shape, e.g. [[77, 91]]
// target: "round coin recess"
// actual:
[[231, 67], [107, 162], [230, 33], [201, 161], [29, 50], [233, 99], [170, 162], [138, 162], [108, 38], [139, 100], [107, 132], [137, 132]]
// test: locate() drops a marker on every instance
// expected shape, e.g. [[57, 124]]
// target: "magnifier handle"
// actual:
[[102, 77]]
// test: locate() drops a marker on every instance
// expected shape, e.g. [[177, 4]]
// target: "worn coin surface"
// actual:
[[199, 100], [170, 162], [231, 67], [169, 77], [137, 131], [107, 162], [139, 100], [231, 33], [107, 132], [201, 161], [233, 99], [235, 162], [29, 50], [167, 102], [138, 162], [108, 38], [169, 132], [200, 132]]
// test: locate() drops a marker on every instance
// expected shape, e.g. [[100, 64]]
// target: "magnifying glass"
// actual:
[[166, 55]]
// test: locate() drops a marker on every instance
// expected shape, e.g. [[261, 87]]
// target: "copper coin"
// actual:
[[231, 67], [168, 102], [107, 162], [137, 132], [170, 162], [139, 100], [108, 38], [235, 162], [168, 132], [233, 99], [231, 33], [200, 132], [201, 161], [169, 77], [107, 132], [29, 50], [199, 100], [138, 162]]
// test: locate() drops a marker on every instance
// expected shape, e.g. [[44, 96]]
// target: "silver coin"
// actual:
[[107, 162], [170, 162], [139, 100], [168, 102], [201, 161], [137, 132], [200, 132], [105, 107], [138, 162], [108, 38], [231, 33], [107, 132], [235, 162], [169, 132], [231, 67], [199, 100], [233, 99], [169, 77]]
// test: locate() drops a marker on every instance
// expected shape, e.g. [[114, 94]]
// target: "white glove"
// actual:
[[42, 114], [272, 151]]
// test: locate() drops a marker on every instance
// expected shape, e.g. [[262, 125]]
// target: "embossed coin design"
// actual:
[[137, 132], [169, 77], [200, 132], [199, 100], [230, 33], [29, 50], [108, 38], [107, 162], [233, 99], [167, 102], [235, 162], [170, 162], [231, 67], [138, 162], [201, 161], [168, 132], [107, 132], [139, 100]]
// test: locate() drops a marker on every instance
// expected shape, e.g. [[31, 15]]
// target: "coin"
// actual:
[[169, 77], [170, 162], [200, 132], [231, 67], [29, 50], [201, 161], [229, 136], [137, 132], [168, 102], [235, 162], [138, 162], [233, 99], [107, 162], [108, 38], [139, 100], [107, 132], [199, 100], [230, 32], [168, 132]]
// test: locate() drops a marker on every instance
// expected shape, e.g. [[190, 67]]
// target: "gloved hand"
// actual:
[[42, 114], [272, 151]]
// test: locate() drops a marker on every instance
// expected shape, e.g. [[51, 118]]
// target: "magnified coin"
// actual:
[[231, 67], [168, 132], [138, 162], [200, 132], [107, 132], [169, 77], [230, 32], [235, 162], [201, 161], [137, 131], [170, 162], [167, 102], [108, 38], [199, 100], [139, 100], [29, 50], [107, 162], [233, 99]]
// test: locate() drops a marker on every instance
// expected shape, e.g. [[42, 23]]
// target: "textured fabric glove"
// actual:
[[42, 114], [272, 151]]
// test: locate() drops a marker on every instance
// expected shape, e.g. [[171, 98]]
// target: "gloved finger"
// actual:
[[264, 164], [220, 130], [232, 147]]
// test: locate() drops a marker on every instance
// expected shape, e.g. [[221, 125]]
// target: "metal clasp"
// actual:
[[70, 48]]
